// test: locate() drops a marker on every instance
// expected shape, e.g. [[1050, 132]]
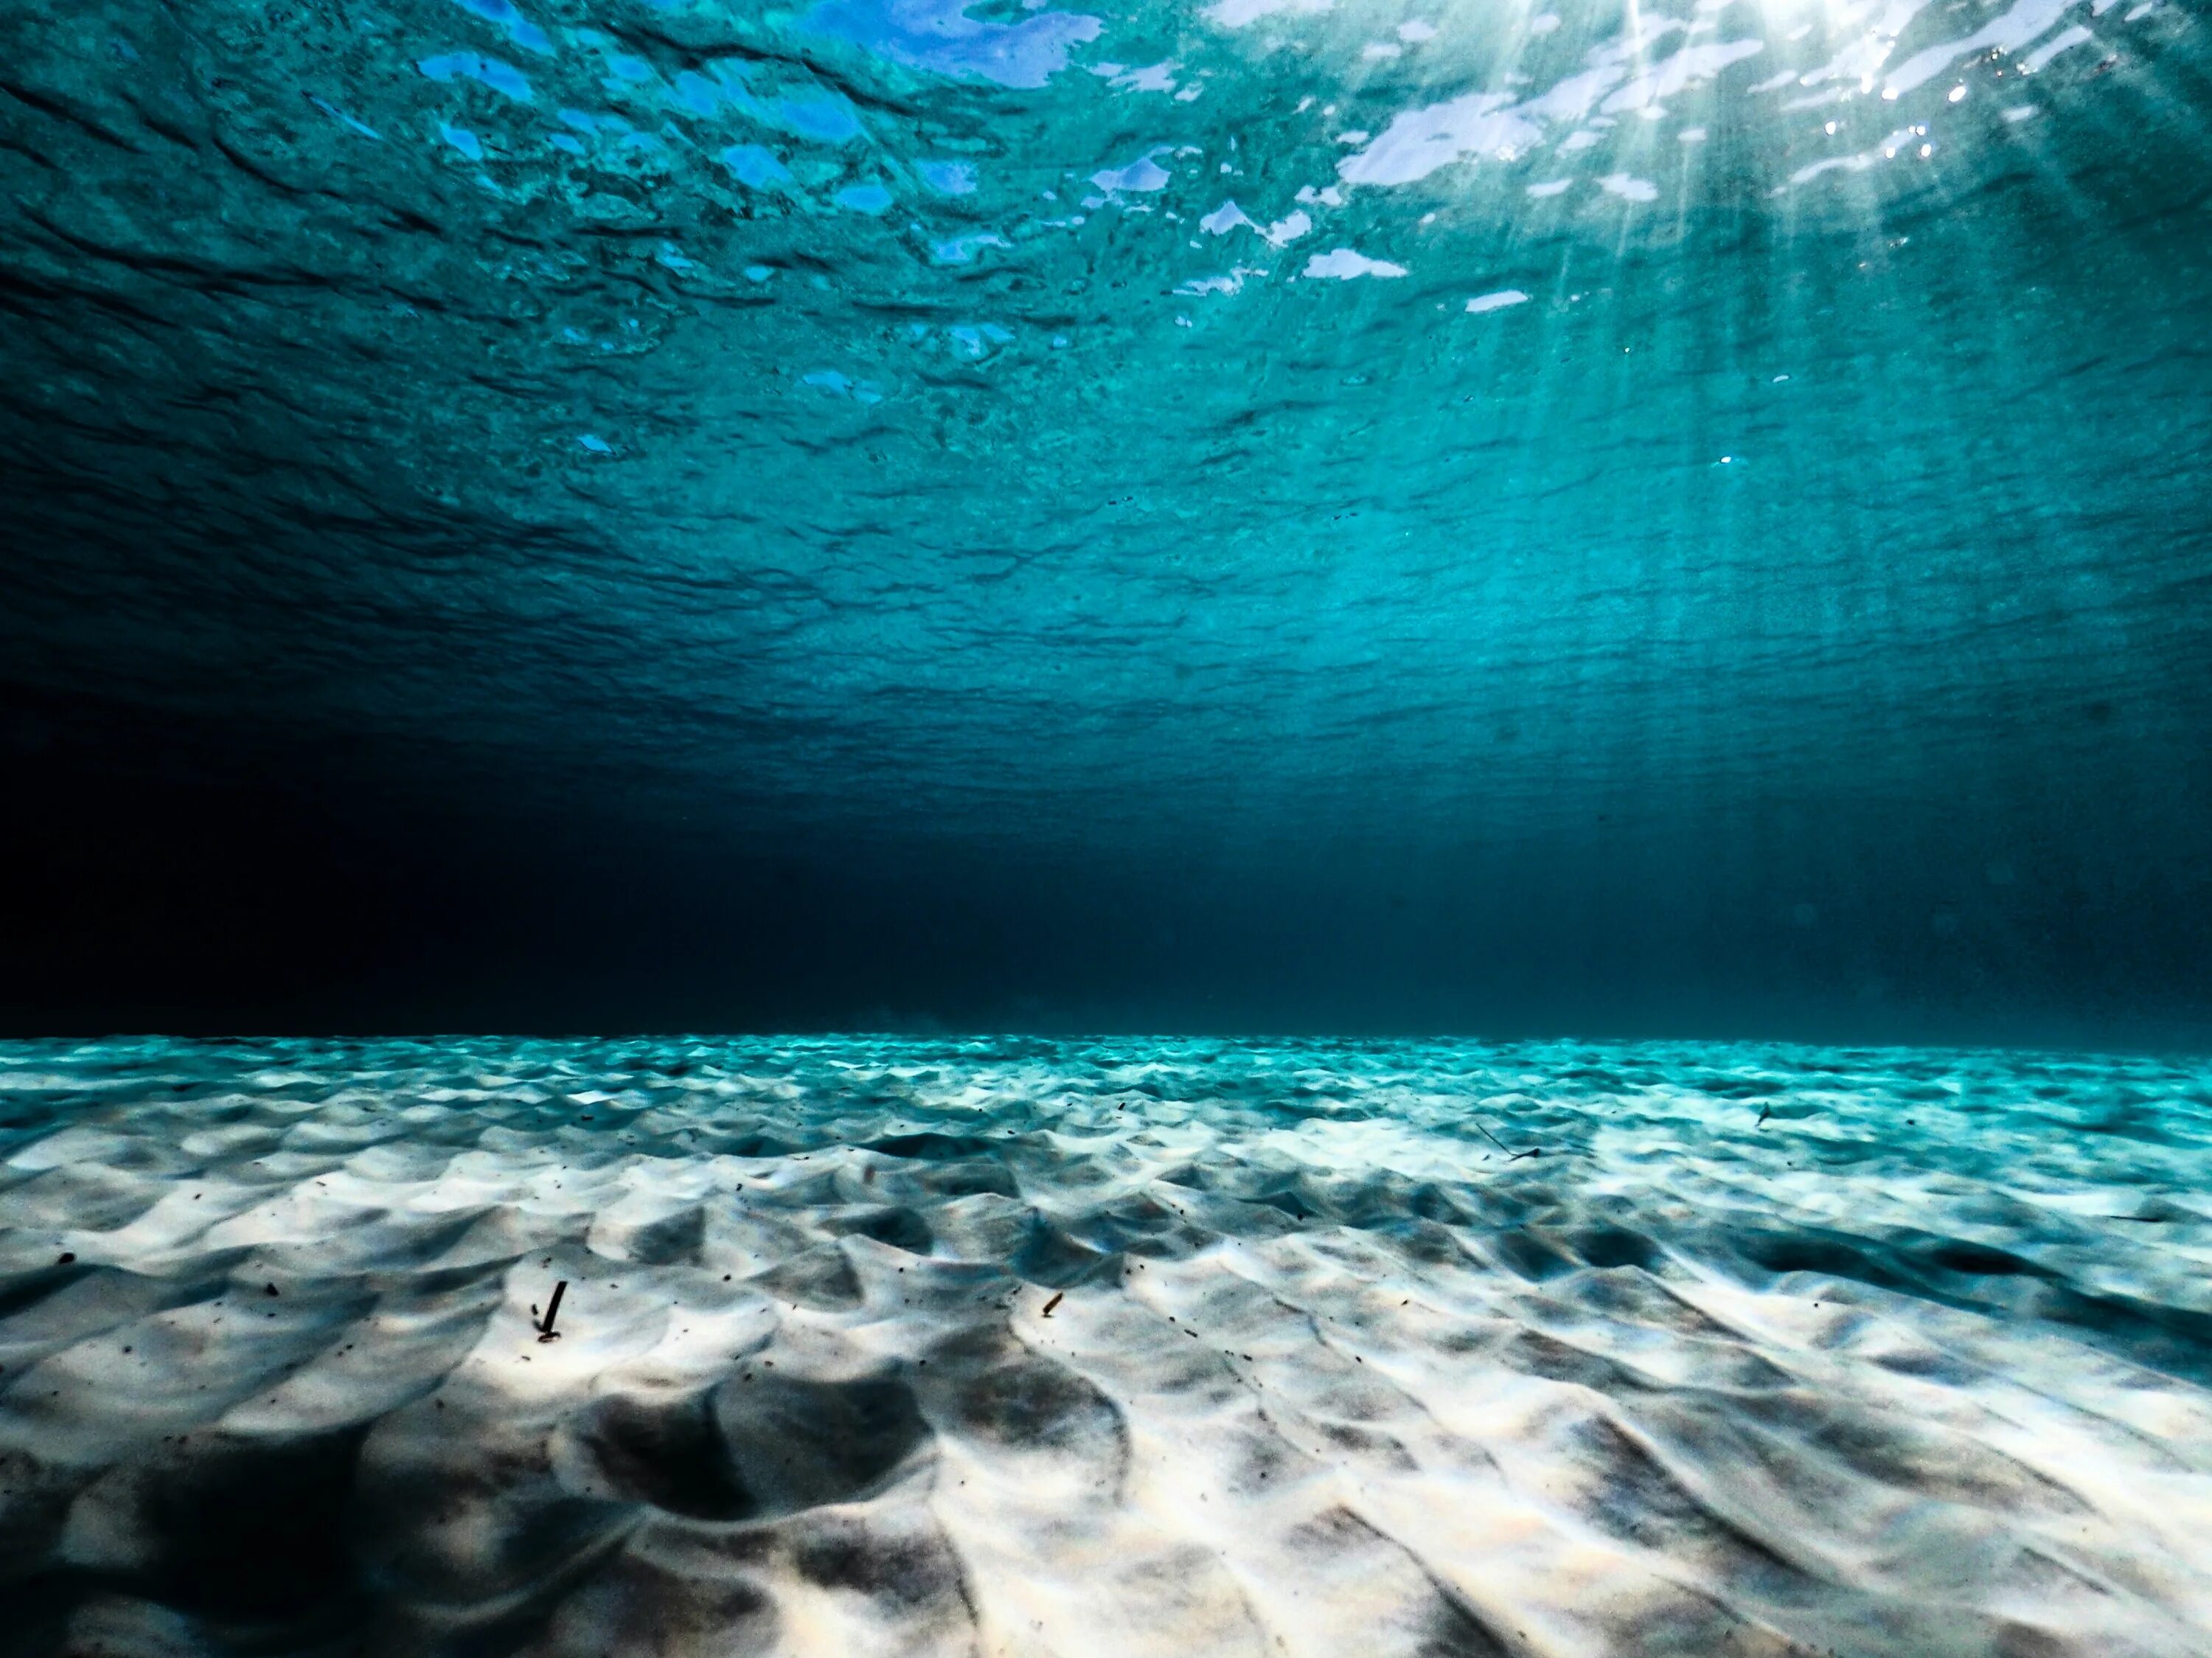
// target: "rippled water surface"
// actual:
[[1505, 416], [1020, 1346], [1605, 516]]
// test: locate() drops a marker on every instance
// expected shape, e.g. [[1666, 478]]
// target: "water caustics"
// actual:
[[1197, 1347], [1411, 516]]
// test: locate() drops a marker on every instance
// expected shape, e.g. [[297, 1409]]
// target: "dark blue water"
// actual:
[[1630, 583], [681, 515]]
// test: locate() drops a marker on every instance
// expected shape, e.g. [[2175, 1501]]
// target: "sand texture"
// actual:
[[933, 1347]]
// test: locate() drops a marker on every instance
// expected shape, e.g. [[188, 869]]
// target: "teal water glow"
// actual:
[[1214, 515], [1717, 482]]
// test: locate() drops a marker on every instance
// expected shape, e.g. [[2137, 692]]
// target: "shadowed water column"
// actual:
[[1210, 517], [1359, 535]]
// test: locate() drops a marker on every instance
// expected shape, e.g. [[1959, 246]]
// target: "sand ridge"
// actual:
[[898, 1345]]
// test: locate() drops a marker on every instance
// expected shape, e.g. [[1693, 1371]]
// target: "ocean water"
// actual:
[[1598, 516], [877, 1345], [1580, 626]]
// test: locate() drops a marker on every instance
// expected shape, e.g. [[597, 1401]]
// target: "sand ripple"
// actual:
[[1031, 1347]]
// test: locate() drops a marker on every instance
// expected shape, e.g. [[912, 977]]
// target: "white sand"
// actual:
[[1921, 1366]]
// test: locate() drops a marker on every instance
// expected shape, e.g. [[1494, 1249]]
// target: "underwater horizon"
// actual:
[[1339, 514], [1019, 829]]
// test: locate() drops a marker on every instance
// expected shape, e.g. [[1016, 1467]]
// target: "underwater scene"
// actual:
[[1035, 829], [876, 1345]]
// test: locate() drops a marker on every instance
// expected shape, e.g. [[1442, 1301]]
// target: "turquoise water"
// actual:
[[1295, 516], [1706, 504]]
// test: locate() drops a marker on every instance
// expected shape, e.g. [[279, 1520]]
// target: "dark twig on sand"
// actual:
[[1058, 1296], [1511, 1156], [545, 1330]]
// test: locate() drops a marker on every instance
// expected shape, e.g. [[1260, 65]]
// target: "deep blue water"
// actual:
[[1593, 517], [1667, 541]]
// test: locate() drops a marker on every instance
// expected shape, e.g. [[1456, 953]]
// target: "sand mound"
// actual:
[[877, 1346]]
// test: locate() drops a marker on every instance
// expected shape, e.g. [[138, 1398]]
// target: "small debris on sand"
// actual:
[[545, 1330]]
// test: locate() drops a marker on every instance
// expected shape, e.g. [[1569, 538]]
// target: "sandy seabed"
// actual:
[[900, 1346]]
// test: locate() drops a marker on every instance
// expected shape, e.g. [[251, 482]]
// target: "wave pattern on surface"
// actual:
[[878, 1345], [868, 410]]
